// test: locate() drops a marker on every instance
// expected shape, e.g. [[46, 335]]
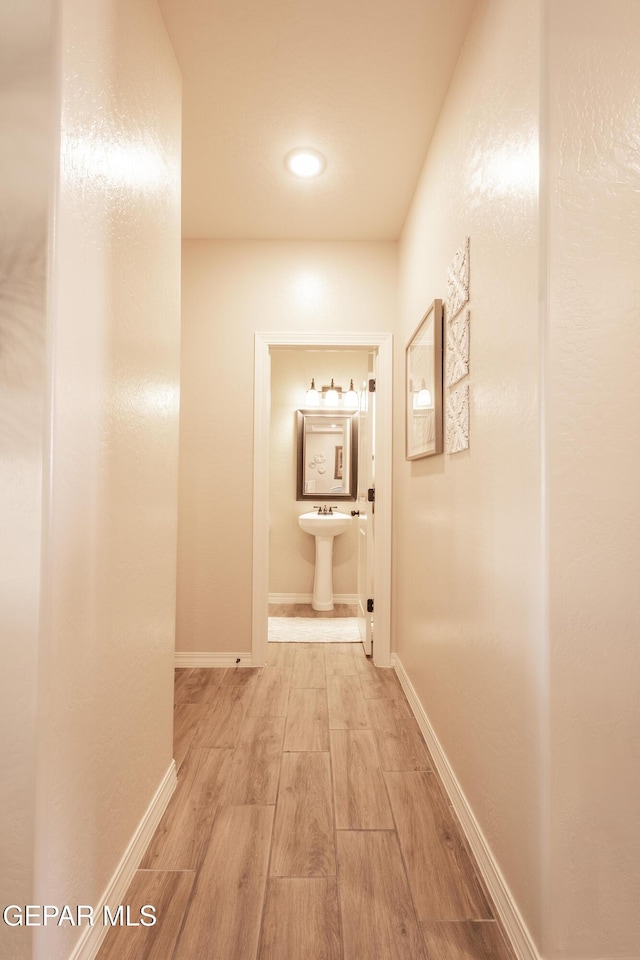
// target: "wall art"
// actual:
[[339, 463], [458, 420], [458, 281], [423, 388], [458, 347]]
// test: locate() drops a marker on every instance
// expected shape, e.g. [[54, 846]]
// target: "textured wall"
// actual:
[[467, 557], [105, 696], [26, 159], [291, 551], [230, 291], [593, 176]]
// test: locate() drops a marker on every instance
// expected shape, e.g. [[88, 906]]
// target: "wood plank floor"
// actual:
[[308, 824]]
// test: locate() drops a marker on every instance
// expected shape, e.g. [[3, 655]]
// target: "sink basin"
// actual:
[[324, 527], [324, 524]]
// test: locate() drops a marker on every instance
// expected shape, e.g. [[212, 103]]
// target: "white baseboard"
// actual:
[[512, 920], [92, 937], [308, 597], [193, 658]]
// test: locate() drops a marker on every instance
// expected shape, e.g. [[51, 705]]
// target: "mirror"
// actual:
[[327, 455]]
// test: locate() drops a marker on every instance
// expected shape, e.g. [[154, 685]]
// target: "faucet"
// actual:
[[322, 511]]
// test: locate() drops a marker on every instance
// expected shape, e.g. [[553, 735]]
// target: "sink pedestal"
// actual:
[[324, 527], [323, 576]]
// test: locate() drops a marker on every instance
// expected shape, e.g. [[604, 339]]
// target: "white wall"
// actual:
[[524, 649], [593, 354], [466, 527], [26, 158], [105, 694], [230, 291], [291, 551]]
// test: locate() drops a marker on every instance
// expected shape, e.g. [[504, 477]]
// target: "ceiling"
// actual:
[[360, 80]]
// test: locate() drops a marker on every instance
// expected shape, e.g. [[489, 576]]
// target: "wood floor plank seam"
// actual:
[[404, 864], [346, 703], [264, 896], [168, 892], [442, 878], [274, 820], [181, 837], [369, 830], [480, 939], [335, 845], [315, 674], [472, 857], [303, 832], [254, 770], [174, 953], [359, 795], [375, 899], [301, 920], [307, 724], [239, 831], [305, 876]]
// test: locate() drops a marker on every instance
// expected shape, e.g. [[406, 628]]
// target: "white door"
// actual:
[[366, 508]]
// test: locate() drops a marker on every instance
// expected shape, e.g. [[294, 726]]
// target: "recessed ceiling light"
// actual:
[[305, 163]]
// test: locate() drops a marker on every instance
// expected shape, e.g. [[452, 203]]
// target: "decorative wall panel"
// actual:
[[458, 420], [458, 347], [458, 281]]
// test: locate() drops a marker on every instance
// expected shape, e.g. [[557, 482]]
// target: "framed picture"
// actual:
[[423, 398], [337, 473]]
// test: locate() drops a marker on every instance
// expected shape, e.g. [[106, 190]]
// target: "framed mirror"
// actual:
[[327, 455], [423, 374]]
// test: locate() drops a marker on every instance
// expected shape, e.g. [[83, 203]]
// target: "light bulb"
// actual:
[[331, 398], [305, 163], [312, 398], [351, 398], [422, 399]]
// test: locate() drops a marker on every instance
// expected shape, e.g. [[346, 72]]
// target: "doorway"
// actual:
[[381, 346]]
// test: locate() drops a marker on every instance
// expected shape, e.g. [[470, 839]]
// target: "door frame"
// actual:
[[383, 344]]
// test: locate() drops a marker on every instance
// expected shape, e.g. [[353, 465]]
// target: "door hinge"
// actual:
[[369, 605], [371, 495], [372, 386]]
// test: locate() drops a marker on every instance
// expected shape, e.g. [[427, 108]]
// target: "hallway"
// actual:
[[307, 823]]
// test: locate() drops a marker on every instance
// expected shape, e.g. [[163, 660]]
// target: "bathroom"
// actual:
[[292, 558]]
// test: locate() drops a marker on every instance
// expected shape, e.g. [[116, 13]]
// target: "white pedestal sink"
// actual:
[[324, 527]]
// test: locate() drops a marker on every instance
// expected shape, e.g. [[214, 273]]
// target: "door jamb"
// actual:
[[383, 343]]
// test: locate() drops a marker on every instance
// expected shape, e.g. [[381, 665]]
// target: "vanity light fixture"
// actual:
[[305, 163], [332, 396], [312, 398]]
